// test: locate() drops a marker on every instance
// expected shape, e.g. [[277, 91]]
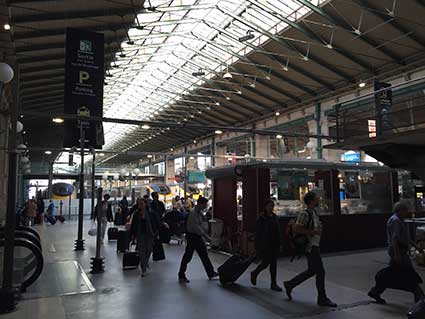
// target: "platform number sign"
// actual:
[[383, 106], [84, 80]]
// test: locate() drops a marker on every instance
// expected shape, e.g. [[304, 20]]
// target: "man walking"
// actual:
[[309, 225], [195, 241], [105, 214], [401, 272]]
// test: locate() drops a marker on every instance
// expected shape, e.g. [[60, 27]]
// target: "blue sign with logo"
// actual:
[[351, 157]]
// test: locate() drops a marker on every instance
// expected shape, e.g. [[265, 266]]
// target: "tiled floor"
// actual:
[[124, 294]]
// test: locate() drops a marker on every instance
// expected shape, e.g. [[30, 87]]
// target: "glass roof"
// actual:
[[175, 48]]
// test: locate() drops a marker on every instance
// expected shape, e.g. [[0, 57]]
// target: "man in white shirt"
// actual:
[[309, 224], [195, 242]]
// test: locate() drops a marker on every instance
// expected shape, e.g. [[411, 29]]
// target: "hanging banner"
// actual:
[[84, 75], [383, 106]]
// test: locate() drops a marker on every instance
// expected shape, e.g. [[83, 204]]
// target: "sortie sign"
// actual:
[[84, 76]]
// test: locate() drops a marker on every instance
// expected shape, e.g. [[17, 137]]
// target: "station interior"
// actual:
[[218, 108]]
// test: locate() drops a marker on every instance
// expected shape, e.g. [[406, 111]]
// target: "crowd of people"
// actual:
[[33, 211], [148, 216]]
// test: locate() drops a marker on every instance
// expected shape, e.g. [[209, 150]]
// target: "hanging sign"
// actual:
[[383, 106], [84, 75]]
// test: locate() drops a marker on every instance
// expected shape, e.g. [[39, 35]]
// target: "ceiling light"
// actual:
[[150, 156], [199, 112], [239, 92], [191, 158], [277, 113], [249, 36], [171, 149], [185, 119], [146, 127], [329, 46], [47, 152], [7, 26], [218, 132], [285, 68], [101, 154], [362, 84], [57, 120], [208, 107], [217, 103], [227, 75], [278, 136], [305, 58], [194, 141], [192, 116], [199, 73], [228, 98]]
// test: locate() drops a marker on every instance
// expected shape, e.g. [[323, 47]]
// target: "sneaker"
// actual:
[[377, 297], [184, 280], [275, 287], [288, 289], [326, 303], [253, 279], [213, 275]]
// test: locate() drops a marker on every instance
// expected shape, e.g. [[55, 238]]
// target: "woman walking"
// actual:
[[267, 244], [142, 231]]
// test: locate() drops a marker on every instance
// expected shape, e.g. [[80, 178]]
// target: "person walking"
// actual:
[[195, 242], [105, 215], [40, 210], [31, 212], [157, 207], [267, 244], [401, 269], [309, 224], [124, 207], [143, 232]]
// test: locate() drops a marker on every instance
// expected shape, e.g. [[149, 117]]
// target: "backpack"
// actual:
[[298, 243]]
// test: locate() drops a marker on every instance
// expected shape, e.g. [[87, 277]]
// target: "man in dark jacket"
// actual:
[[105, 214], [267, 244], [195, 242], [157, 206]]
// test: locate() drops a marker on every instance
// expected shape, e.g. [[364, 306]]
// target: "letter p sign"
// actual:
[[84, 76]]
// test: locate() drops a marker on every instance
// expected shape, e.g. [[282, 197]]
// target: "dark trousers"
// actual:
[[268, 259], [195, 243], [405, 267], [315, 268]]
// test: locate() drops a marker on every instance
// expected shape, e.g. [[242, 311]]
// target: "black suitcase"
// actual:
[[165, 234], [61, 219], [130, 259], [233, 268], [158, 251], [123, 241], [112, 233], [51, 219], [417, 311]]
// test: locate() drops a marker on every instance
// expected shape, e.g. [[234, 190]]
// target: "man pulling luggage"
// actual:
[[195, 242]]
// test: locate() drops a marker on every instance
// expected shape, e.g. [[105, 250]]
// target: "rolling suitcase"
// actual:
[[165, 234], [61, 219], [130, 259], [123, 241], [158, 251], [233, 268], [417, 311], [51, 219], [112, 233]]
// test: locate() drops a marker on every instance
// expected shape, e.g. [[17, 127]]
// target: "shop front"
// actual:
[[356, 199]]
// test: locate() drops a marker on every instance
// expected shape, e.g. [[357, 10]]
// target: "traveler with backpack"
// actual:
[[267, 244], [105, 214], [309, 225]]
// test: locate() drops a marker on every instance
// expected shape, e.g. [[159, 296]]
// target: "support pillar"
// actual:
[[220, 151], [170, 174], [50, 183], [255, 192]]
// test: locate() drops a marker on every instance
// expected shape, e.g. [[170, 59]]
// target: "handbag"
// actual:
[[158, 250], [93, 229]]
